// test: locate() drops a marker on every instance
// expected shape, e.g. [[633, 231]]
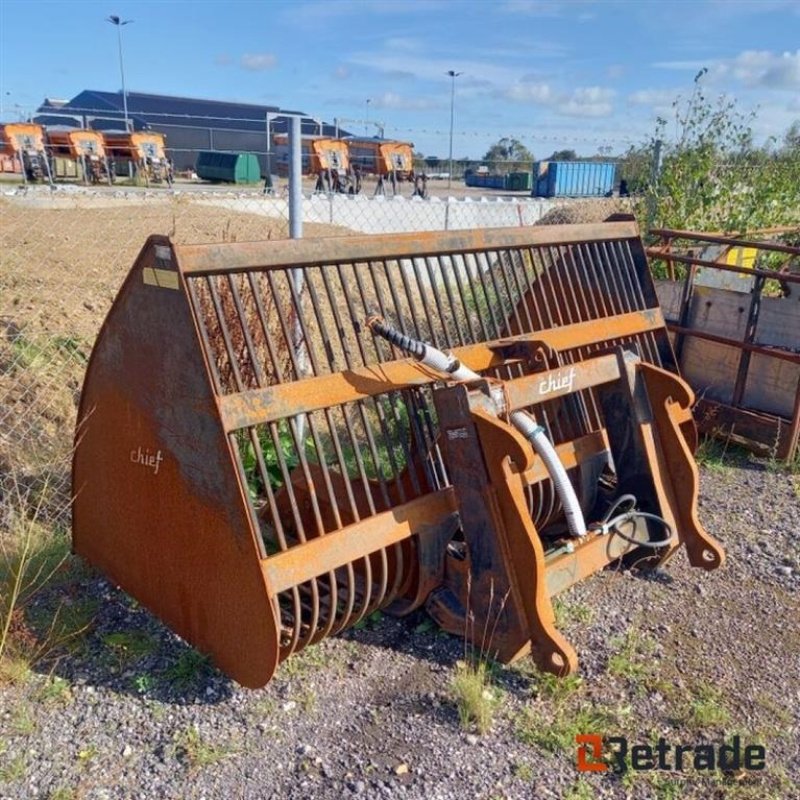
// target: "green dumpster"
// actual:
[[213, 165]]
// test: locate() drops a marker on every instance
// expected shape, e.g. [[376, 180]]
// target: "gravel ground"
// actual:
[[129, 711]]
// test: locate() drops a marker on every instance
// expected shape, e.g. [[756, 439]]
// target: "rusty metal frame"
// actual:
[[764, 432], [259, 471]]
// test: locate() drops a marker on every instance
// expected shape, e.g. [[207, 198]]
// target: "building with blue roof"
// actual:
[[190, 124]]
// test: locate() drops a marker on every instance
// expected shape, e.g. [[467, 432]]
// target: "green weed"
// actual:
[[197, 753], [711, 454], [632, 659], [707, 710], [190, 668], [558, 734], [54, 690], [63, 793], [569, 613], [475, 697], [22, 721], [580, 790], [12, 770], [129, 646]]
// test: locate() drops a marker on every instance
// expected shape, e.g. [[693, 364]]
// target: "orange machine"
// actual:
[[85, 147], [382, 157], [388, 160], [327, 158], [144, 150], [23, 151]]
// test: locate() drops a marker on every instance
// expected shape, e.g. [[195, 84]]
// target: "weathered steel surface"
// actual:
[[260, 471], [739, 349]]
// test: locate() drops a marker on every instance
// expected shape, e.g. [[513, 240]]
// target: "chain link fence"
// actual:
[[64, 254]]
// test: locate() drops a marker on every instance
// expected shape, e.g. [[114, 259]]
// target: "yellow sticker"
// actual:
[[165, 278]]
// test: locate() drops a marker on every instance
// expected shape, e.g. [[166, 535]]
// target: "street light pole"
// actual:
[[118, 22], [366, 124], [453, 75]]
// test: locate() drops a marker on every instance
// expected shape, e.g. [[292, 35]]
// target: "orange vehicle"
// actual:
[[387, 159], [145, 151], [23, 150], [327, 158], [85, 147]]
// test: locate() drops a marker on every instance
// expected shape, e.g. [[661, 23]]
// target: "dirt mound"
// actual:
[[578, 211]]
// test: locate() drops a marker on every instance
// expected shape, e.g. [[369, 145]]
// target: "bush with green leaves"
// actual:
[[712, 176]]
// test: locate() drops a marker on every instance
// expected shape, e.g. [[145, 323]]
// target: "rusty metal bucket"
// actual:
[[260, 471]]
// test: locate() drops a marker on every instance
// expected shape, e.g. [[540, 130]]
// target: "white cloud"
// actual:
[[341, 72], [392, 100], [652, 97], [537, 93], [762, 68], [694, 66], [258, 62], [590, 101]]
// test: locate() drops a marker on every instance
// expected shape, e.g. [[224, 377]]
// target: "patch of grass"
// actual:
[[63, 793], [190, 668], [22, 721], [552, 687], [64, 624], [15, 670], [665, 788], [426, 626], [558, 734], [522, 771], [475, 697], [778, 713], [632, 659], [707, 709], [711, 454], [265, 707], [197, 753], [569, 613], [312, 658], [580, 790], [12, 770], [369, 622], [307, 699], [54, 690], [86, 754], [129, 646], [30, 555], [144, 683]]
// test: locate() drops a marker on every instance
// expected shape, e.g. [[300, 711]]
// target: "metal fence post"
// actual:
[[295, 180], [296, 232], [655, 176]]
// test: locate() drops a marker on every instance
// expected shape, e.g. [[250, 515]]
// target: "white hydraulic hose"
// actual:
[[536, 435], [449, 365]]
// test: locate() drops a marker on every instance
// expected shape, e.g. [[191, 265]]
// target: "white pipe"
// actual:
[[449, 365], [535, 434]]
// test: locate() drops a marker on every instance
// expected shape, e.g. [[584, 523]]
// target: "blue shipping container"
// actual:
[[573, 178]]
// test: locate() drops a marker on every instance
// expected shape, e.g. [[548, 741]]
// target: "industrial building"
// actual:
[[191, 125]]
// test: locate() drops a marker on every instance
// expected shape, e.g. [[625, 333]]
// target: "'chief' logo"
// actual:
[[147, 459]]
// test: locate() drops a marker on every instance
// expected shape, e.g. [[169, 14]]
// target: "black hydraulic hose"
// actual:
[[611, 523], [399, 340]]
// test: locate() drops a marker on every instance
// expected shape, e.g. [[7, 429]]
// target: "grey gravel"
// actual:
[[346, 715]]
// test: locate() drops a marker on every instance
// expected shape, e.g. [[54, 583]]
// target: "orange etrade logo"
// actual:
[[596, 742], [662, 755]]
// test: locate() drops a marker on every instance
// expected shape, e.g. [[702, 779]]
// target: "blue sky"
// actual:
[[585, 74]]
